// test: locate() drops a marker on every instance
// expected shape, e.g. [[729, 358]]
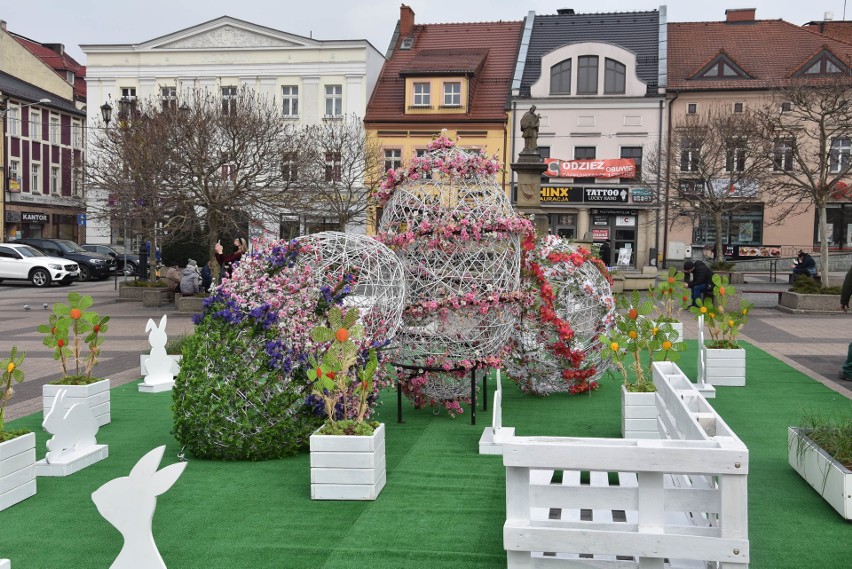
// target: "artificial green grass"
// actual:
[[443, 506]]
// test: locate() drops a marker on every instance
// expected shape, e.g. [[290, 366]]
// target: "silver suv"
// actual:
[[22, 262]]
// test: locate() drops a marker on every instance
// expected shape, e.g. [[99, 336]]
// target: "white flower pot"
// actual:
[[348, 467], [725, 367], [95, 395], [17, 470], [827, 476], [639, 415]]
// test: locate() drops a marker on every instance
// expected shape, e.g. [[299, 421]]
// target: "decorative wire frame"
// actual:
[[379, 289], [440, 267], [583, 297]]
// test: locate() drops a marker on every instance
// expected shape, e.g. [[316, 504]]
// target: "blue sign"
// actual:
[[81, 219]]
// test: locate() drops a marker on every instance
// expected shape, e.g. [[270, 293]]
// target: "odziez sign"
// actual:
[[614, 168]]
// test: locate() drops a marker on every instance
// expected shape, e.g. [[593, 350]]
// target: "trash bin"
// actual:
[[142, 270], [652, 257]]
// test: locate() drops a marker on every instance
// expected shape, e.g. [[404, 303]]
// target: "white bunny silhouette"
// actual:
[[161, 367], [73, 427], [128, 503]]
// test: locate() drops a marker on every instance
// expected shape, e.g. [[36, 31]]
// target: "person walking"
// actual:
[[190, 281], [700, 278], [845, 295]]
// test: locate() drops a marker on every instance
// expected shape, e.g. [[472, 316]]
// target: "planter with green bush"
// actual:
[[17, 448]]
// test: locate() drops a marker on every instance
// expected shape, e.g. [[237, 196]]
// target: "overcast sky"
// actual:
[[74, 22]]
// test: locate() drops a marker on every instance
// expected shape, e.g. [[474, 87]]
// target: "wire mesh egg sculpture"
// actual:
[[569, 286], [454, 229]]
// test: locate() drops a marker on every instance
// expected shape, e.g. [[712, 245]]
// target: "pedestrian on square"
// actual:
[[173, 277], [804, 265], [227, 262], [845, 295], [190, 282], [606, 253], [700, 280], [206, 277]]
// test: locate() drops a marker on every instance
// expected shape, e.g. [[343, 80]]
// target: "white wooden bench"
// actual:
[[621, 503]]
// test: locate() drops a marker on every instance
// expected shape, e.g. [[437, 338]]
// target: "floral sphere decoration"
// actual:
[[244, 391], [556, 347], [458, 238]]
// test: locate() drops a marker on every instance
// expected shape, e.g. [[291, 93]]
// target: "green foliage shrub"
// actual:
[[230, 403], [806, 285]]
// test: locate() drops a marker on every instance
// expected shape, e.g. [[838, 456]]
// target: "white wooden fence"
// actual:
[[620, 503]]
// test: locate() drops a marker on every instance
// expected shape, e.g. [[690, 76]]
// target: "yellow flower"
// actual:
[[614, 346], [731, 323], [10, 368], [703, 310], [745, 311], [655, 330], [632, 334], [667, 345]]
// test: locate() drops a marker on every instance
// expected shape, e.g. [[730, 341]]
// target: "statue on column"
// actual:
[[529, 130]]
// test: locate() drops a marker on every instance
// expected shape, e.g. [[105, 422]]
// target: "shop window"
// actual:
[[742, 227]]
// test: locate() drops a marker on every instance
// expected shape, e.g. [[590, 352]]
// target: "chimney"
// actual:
[[829, 16], [3, 25], [56, 47], [565, 11], [406, 21], [734, 15]]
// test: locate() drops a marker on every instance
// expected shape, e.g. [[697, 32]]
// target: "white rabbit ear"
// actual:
[[165, 478], [150, 325], [163, 322], [147, 465]]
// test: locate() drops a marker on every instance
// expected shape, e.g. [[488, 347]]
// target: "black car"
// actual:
[[117, 252], [92, 265]]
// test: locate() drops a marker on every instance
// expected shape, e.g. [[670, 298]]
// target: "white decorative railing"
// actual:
[[615, 503]]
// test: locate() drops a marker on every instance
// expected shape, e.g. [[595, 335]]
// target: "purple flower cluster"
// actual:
[[282, 358]]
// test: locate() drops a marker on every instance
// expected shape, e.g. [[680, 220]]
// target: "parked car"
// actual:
[[22, 262], [92, 265], [119, 253]]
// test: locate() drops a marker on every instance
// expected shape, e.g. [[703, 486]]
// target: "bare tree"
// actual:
[[339, 171], [808, 132], [713, 164]]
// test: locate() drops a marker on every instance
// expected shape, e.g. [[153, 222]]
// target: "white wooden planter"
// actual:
[[348, 467], [17, 470], [5, 564], [95, 395], [143, 358], [827, 476], [639, 415], [725, 367]]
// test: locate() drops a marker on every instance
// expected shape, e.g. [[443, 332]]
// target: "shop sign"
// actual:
[[618, 195], [14, 185], [13, 216], [600, 220], [561, 194], [600, 234], [613, 168], [625, 221], [641, 195], [612, 211], [34, 217]]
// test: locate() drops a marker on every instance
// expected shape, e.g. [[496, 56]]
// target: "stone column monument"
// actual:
[[529, 169]]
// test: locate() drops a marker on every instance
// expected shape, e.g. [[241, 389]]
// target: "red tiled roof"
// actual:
[[840, 30], [60, 63], [488, 49], [770, 51]]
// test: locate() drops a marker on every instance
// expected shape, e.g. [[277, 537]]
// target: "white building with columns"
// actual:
[[311, 79]]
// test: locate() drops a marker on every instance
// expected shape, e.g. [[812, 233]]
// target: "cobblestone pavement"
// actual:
[[814, 344]]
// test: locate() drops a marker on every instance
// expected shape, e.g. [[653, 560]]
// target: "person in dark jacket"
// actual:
[[804, 265], [206, 277], [845, 295], [700, 278], [606, 253]]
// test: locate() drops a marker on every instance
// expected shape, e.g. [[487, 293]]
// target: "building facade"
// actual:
[[311, 80], [596, 81], [43, 147]]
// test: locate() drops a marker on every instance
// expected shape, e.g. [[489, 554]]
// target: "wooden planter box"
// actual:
[[725, 367], [827, 476], [348, 468], [95, 395], [639, 415], [17, 470]]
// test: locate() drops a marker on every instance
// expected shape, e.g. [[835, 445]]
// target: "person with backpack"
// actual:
[[700, 279]]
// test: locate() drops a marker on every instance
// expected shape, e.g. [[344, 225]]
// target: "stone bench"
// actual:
[[189, 304]]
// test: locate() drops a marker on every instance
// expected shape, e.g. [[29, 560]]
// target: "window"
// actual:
[[614, 77], [420, 153], [290, 166], [841, 155], [587, 75], [786, 107], [290, 98], [54, 180], [168, 98], [689, 156], [333, 170], [35, 125], [585, 153], [76, 176], [560, 78], [452, 94], [35, 179], [76, 135], [393, 158], [228, 168], [14, 175], [13, 116], [824, 64], [782, 159], [421, 95], [735, 156], [738, 107], [128, 92], [722, 68], [333, 100], [229, 100], [692, 108], [634, 152], [54, 130], [743, 227]]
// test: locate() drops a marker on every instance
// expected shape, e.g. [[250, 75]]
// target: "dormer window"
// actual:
[[615, 74], [825, 63], [722, 67], [560, 78], [452, 94], [422, 95], [587, 75]]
